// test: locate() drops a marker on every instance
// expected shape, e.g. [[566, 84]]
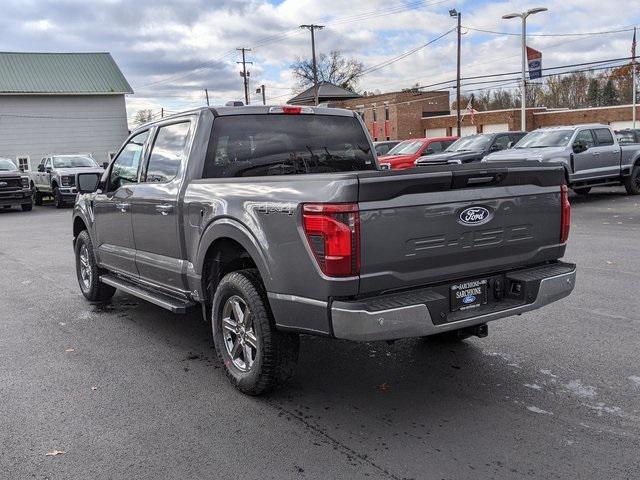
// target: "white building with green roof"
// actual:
[[61, 103]]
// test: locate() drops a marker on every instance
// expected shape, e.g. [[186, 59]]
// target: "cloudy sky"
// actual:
[[170, 51]]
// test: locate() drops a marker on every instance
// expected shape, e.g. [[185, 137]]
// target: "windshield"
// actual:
[[545, 138], [7, 165], [472, 142], [73, 162], [408, 147], [256, 145]]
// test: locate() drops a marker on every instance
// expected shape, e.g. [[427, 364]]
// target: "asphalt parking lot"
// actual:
[[129, 390]]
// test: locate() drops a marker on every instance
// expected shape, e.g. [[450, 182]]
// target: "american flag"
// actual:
[[471, 110], [633, 46]]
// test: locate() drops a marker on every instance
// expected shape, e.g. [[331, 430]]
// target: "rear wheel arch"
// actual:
[[232, 247]]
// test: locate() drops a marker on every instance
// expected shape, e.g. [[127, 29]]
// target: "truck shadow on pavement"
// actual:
[[335, 373]]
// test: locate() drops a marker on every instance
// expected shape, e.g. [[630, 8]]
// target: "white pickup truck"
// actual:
[[56, 177], [590, 154]]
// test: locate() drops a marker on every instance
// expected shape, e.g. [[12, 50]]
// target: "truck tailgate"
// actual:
[[437, 224]]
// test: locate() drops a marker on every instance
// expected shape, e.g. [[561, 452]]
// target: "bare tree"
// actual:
[[334, 68], [141, 117]]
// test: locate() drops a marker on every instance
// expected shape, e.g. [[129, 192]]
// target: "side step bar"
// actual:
[[175, 305]]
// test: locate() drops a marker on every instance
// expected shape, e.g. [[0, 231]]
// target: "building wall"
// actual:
[[405, 111], [38, 125], [617, 117]]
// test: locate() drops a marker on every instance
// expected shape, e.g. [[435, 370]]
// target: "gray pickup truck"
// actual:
[[278, 221], [56, 177], [590, 154]]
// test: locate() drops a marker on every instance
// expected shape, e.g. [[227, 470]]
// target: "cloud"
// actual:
[[170, 51]]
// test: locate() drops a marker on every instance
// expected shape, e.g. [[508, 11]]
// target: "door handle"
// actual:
[[164, 209], [123, 207]]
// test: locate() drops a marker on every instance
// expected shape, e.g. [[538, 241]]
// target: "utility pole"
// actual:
[[244, 74], [206, 93], [455, 13], [523, 94], [312, 29]]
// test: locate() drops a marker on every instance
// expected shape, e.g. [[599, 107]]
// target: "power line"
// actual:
[[578, 34], [397, 58]]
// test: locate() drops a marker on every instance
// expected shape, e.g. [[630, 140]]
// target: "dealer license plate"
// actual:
[[466, 295]]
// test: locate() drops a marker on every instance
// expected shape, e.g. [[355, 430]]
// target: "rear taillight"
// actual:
[[333, 233], [565, 224]]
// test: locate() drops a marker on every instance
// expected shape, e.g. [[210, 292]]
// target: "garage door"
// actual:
[[469, 130], [495, 127], [435, 132]]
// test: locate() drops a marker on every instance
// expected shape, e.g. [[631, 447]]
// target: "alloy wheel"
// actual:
[[85, 268], [238, 333]]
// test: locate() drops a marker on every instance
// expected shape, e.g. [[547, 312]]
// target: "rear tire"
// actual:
[[256, 357], [88, 272], [632, 182], [582, 190]]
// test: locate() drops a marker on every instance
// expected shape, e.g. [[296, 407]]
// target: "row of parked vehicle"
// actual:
[[592, 155], [54, 177]]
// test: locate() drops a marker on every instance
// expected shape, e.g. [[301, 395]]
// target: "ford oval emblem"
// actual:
[[474, 216], [469, 299]]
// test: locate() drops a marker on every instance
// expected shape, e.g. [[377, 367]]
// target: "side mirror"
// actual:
[[105, 165], [510, 144], [495, 148], [87, 182], [47, 169], [579, 147], [428, 151], [41, 168]]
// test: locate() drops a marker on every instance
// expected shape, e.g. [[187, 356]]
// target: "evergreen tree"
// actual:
[[593, 93], [609, 94]]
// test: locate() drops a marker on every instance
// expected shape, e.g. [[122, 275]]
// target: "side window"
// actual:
[[501, 142], [585, 137], [515, 138], [604, 136], [47, 163], [436, 147], [167, 153], [125, 167]]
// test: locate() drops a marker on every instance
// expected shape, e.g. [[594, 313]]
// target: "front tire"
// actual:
[[88, 272], [37, 196], [256, 357], [57, 198], [27, 207], [632, 182]]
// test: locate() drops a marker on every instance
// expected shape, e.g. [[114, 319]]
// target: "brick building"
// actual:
[[397, 115], [618, 117]]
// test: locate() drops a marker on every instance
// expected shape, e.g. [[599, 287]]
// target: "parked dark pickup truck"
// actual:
[[472, 148], [14, 187], [278, 221]]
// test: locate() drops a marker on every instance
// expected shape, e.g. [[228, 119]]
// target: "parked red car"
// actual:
[[403, 155]]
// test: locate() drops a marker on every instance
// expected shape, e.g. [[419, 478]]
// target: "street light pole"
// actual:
[[455, 13], [523, 94]]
